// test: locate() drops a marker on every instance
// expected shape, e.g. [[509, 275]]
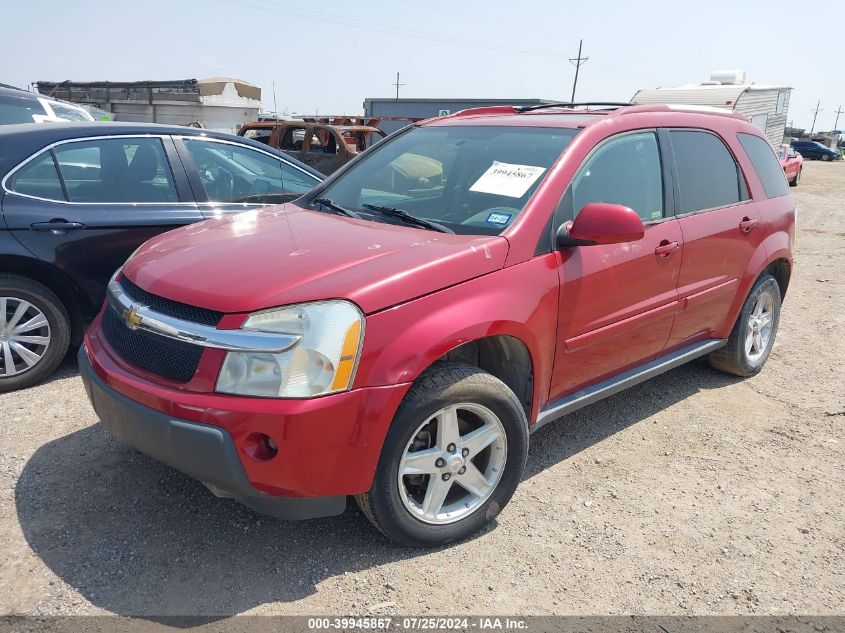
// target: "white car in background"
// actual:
[[20, 106]]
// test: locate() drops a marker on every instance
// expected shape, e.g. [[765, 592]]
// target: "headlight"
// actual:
[[323, 361]]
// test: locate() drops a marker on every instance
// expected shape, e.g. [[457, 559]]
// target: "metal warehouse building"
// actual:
[[765, 105], [415, 109], [222, 104]]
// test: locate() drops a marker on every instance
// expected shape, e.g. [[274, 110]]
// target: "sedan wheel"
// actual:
[[34, 332], [24, 336]]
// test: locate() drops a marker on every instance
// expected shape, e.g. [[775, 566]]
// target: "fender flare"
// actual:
[[768, 251]]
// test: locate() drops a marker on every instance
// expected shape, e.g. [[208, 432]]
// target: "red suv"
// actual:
[[397, 333]]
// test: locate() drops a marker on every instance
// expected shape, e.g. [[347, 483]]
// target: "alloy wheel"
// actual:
[[759, 327], [24, 336], [453, 463]]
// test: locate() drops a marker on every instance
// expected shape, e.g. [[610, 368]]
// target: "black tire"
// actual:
[[733, 358], [825, 157], [443, 384], [49, 304], [794, 182]]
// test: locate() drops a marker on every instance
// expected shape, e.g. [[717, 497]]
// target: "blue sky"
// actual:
[[330, 57]]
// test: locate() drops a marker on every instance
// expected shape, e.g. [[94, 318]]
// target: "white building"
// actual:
[[220, 103], [765, 105]]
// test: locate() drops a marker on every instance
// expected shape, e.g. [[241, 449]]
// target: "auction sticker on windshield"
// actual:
[[506, 179]]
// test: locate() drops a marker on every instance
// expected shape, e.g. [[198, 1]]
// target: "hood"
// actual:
[[284, 254]]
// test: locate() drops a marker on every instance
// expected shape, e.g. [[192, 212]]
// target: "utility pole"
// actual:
[[815, 114], [397, 84], [577, 61], [836, 124]]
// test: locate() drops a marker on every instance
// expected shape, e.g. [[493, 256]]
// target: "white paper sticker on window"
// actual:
[[505, 179]]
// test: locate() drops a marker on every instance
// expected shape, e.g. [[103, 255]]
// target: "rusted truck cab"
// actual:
[[323, 147]]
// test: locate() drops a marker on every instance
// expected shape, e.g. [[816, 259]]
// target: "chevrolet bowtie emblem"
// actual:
[[132, 318]]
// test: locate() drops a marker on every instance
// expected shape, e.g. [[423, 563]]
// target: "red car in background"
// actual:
[[792, 163]]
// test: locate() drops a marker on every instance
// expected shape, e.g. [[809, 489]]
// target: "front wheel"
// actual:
[[794, 182], [753, 335], [825, 157], [451, 460]]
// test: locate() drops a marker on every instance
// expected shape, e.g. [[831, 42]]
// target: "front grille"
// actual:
[[170, 359], [170, 308]]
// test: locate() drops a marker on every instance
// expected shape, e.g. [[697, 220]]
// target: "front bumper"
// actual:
[[202, 451], [328, 447]]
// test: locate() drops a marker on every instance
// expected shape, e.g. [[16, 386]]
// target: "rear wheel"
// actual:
[[452, 458], [34, 332], [753, 335]]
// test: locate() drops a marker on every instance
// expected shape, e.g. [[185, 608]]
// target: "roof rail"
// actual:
[[564, 104], [680, 107], [614, 108], [497, 109]]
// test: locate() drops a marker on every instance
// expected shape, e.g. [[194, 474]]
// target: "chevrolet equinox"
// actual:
[[397, 333]]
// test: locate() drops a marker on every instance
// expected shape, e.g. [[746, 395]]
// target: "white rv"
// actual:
[[765, 105]]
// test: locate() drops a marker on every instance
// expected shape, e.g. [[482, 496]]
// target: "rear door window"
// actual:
[[116, 170], [293, 138], [708, 176], [322, 142], [624, 170], [767, 166]]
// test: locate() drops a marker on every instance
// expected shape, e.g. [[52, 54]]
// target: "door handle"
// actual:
[[57, 225], [747, 224], [665, 248]]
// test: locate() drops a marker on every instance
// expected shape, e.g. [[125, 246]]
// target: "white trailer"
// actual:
[[765, 105]]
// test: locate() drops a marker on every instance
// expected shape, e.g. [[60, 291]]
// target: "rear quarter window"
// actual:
[[38, 178], [765, 164]]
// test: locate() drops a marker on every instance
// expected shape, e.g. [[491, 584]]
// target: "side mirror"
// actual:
[[601, 223]]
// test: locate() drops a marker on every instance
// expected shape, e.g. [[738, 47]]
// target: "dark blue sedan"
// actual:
[[76, 199], [813, 150]]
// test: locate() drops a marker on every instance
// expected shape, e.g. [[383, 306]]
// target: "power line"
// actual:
[[367, 25], [577, 61]]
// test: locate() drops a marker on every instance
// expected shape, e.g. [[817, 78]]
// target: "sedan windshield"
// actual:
[[469, 179]]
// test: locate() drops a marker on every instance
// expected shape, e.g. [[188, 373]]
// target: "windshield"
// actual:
[[471, 179]]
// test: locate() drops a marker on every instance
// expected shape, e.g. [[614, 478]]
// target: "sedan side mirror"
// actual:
[[601, 223]]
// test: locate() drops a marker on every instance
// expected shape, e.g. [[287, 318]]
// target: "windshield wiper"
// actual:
[[407, 218], [349, 213]]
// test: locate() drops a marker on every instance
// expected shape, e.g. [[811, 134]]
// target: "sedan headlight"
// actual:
[[323, 361]]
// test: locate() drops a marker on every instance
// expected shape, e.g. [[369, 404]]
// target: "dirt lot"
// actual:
[[694, 493]]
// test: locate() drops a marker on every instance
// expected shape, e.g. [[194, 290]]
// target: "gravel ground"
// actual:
[[694, 493]]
